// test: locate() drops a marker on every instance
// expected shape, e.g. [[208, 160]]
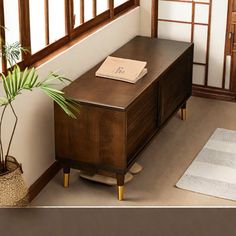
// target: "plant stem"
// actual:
[[1, 147], [12, 134]]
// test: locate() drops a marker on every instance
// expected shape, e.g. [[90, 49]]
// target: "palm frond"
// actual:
[[55, 77], [65, 103], [17, 81], [12, 52], [6, 86]]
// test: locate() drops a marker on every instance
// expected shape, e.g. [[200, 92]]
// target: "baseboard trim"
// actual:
[[214, 93], [43, 180]]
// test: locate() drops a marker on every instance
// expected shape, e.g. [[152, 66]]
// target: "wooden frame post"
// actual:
[[154, 19]]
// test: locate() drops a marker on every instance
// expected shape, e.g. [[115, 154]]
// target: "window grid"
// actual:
[[71, 32], [193, 24]]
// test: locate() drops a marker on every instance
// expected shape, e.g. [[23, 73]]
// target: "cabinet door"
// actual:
[[175, 87], [95, 140], [141, 121]]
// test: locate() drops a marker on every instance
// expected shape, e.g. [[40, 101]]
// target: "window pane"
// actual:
[[119, 2], [37, 25], [176, 11], [88, 10], [56, 20], [11, 21], [77, 12], [102, 5], [201, 13]]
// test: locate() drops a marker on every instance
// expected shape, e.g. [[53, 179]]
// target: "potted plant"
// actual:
[[13, 190]]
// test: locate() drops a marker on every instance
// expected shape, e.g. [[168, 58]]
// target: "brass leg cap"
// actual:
[[183, 114], [120, 193], [66, 180]]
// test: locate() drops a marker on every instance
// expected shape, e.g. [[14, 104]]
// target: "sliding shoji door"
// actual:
[[204, 23]]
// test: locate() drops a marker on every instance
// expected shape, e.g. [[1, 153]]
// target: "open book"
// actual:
[[122, 69]]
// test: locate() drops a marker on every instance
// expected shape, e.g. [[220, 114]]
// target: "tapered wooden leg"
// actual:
[[183, 112], [66, 177], [120, 186]]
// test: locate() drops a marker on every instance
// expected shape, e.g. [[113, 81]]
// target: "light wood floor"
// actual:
[[164, 161]]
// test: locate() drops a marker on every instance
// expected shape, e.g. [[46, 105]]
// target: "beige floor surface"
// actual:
[[164, 161]]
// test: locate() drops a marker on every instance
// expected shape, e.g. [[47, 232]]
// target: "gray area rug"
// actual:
[[213, 172]]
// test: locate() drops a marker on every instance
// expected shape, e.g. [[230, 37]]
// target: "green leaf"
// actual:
[[3, 101], [17, 81], [53, 77], [8, 81], [23, 75], [12, 52], [26, 74], [33, 79], [14, 80], [62, 102], [28, 78], [5, 85], [52, 89]]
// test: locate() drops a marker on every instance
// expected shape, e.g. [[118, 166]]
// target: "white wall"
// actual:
[[33, 144], [217, 42]]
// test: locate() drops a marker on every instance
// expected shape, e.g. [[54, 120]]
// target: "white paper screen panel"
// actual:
[[37, 24], [178, 11], [200, 43], [56, 20], [217, 42], [227, 72], [11, 9], [199, 74], [205, 1], [101, 6], [88, 12], [201, 13], [174, 31]]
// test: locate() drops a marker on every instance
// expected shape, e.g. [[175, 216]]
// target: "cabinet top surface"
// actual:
[[159, 54]]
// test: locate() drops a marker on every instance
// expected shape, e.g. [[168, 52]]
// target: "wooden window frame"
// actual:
[[72, 33]]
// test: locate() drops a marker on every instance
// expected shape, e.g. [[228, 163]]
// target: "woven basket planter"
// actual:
[[13, 190]]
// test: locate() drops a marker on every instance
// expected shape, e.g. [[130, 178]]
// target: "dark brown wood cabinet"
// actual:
[[118, 119]]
